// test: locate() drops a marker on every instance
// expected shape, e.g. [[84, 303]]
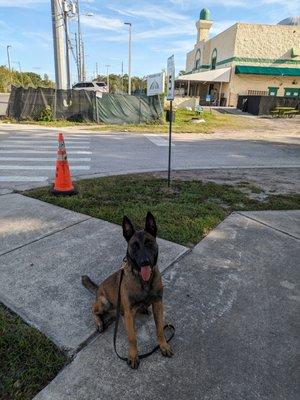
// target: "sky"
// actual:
[[160, 28]]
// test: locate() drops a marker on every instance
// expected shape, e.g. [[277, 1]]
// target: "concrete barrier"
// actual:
[[184, 102], [4, 98]]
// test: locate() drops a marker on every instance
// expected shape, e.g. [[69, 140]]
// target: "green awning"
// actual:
[[278, 71]]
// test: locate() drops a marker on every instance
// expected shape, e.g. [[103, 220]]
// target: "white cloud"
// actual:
[[98, 21], [220, 26], [5, 27], [42, 39], [154, 13], [20, 3], [289, 7], [179, 46], [182, 30]]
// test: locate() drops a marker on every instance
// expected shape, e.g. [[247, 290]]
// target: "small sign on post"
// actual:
[[170, 97], [155, 84]]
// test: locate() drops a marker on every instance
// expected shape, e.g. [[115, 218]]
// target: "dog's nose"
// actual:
[[145, 262]]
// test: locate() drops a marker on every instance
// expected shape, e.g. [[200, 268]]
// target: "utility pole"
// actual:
[[122, 79], [83, 74], [97, 71], [77, 56], [59, 44], [129, 57], [107, 75], [79, 40], [8, 56], [65, 16]]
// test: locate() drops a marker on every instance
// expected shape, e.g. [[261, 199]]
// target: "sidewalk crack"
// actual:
[[269, 226], [45, 236]]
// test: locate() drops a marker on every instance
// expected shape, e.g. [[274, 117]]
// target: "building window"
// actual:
[[198, 59], [292, 92], [272, 91], [214, 59]]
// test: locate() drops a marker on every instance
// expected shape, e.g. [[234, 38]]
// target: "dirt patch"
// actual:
[[257, 183]]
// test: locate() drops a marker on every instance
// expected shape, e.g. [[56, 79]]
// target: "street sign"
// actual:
[[170, 78], [155, 84]]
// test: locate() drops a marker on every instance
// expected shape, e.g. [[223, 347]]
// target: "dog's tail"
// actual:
[[89, 284]]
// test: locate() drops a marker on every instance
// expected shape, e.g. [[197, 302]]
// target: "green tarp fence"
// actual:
[[35, 103], [81, 105], [126, 109]]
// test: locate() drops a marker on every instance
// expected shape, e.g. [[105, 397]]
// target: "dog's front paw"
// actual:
[[133, 361], [99, 324], [166, 350]]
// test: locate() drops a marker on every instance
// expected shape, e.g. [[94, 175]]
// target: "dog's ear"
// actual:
[[150, 225], [128, 229]]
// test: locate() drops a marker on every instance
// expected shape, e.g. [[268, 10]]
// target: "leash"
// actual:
[[141, 356]]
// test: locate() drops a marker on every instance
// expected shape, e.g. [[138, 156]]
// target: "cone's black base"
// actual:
[[62, 193]]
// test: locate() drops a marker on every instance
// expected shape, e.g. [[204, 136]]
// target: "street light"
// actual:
[[20, 70], [129, 57], [80, 45], [8, 56], [107, 72]]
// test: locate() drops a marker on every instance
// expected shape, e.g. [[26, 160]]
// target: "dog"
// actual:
[[141, 287]]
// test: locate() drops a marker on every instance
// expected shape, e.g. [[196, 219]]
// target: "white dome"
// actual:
[[290, 21]]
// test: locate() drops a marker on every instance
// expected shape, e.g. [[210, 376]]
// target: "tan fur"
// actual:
[[134, 298]]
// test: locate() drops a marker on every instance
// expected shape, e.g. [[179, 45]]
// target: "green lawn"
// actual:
[[28, 360], [213, 122], [184, 216], [183, 124]]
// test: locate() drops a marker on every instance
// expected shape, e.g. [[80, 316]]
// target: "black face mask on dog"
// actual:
[[142, 248]]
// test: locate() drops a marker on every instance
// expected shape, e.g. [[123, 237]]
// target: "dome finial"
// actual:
[[205, 14]]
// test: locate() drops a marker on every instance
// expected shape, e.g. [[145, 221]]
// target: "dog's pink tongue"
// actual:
[[145, 273]]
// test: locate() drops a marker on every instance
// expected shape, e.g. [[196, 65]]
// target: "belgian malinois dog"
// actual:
[[141, 287]]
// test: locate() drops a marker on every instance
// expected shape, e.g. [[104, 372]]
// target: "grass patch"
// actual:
[[28, 359], [213, 121], [184, 216], [183, 124]]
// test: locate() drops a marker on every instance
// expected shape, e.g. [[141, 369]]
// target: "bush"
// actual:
[[46, 114]]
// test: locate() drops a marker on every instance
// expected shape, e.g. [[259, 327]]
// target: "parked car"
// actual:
[[98, 87]]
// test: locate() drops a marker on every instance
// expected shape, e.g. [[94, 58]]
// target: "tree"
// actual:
[[25, 79], [119, 85]]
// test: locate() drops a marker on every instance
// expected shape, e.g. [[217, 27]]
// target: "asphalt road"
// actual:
[[27, 153]]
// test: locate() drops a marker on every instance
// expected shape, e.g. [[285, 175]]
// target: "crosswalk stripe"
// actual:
[[158, 140], [41, 142], [40, 167], [34, 155], [25, 146], [46, 159], [40, 152], [14, 178], [53, 137]]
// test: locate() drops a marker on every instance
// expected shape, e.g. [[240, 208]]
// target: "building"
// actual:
[[245, 59]]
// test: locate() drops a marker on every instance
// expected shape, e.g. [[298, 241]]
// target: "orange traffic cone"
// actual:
[[63, 183]]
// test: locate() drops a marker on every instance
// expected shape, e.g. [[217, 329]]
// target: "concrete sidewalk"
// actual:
[[44, 251], [234, 303], [233, 300]]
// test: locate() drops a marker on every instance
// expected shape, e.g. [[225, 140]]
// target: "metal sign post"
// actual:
[[170, 97]]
